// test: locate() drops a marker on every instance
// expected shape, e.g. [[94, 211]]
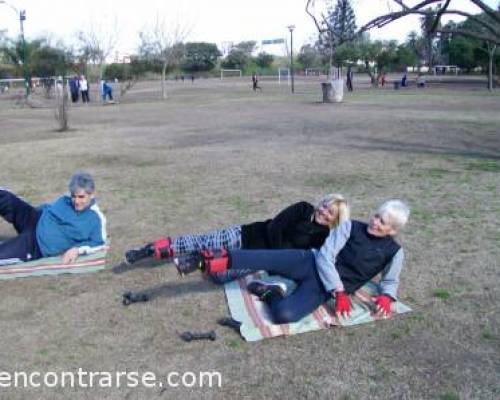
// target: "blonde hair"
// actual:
[[336, 201]]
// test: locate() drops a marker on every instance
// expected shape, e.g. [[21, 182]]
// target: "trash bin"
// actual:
[[396, 85]]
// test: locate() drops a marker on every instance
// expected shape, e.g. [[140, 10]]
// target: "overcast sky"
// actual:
[[214, 21]]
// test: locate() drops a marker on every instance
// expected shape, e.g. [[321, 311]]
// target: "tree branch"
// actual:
[[488, 10], [438, 16], [475, 35]]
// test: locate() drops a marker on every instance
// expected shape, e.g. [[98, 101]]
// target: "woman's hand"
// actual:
[[70, 255], [342, 304]]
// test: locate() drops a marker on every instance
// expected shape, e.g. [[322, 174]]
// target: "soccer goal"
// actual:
[[314, 71], [284, 73], [230, 73]]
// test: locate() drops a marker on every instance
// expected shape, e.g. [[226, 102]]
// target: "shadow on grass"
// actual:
[[422, 148], [169, 290], [144, 264]]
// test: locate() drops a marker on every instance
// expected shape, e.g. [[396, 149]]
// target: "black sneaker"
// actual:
[[189, 263], [134, 255], [267, 291]]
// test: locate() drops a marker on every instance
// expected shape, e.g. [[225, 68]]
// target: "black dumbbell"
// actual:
[[189, 336], [131, 297]]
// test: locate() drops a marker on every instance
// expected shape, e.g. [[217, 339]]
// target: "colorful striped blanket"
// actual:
[[256, 323], [54, 266]]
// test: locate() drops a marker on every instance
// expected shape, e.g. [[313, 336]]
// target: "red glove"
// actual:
[[383, 303], [342, 304]]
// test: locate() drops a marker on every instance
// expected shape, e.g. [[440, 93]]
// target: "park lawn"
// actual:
[[215, 153]]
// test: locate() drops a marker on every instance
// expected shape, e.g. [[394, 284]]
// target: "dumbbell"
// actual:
[[189, 336]]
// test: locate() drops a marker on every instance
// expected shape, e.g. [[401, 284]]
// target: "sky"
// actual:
[[215, 21]]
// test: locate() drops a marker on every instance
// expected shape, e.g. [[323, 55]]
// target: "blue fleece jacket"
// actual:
[[61, 227]]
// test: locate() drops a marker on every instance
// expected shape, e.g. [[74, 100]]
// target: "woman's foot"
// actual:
[[267, 291]]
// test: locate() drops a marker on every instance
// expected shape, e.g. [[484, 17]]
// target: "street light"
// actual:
[[291, 28], [22, 18]]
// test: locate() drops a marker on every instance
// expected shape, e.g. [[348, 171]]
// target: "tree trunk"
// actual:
[[491, 54], [163, 79]]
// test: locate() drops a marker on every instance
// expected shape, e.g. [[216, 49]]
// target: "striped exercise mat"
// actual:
[[255, 319], [54, 266]]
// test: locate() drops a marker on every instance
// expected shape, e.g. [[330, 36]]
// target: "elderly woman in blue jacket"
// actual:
[[70, 226]]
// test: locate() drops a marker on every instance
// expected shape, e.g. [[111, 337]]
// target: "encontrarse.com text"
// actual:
[[103, 379]]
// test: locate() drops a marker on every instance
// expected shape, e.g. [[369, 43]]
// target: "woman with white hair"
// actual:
[[353, 254], [299, 226]]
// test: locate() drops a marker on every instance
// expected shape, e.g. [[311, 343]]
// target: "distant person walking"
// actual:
[[255, 82], [350, 76], [403, 80], [74, 88], [84, 89]]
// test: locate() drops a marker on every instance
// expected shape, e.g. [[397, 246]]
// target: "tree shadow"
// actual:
[[471, 149]]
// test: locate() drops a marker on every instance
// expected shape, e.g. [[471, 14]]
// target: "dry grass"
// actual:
[[217, 153]]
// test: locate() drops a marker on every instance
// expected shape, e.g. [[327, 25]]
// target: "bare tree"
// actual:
[[98, 41], [162, 42], [61, 110]]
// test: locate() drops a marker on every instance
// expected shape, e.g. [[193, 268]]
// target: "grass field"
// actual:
[[216, 153]]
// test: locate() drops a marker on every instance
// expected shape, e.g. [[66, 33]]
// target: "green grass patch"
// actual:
[[484, 165], [430, 173], [234, 344], [449, 396], [488, 334], [442, 294]]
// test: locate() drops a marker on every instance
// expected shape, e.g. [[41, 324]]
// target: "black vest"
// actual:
[[363, 256]]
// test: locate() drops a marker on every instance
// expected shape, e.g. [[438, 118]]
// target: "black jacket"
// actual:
[[293, 228]]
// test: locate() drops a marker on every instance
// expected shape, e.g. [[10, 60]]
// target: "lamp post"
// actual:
[[22, 18], [291, 28]]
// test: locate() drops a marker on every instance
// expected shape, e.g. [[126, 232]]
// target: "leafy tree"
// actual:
[[236, 59], [264, 60], [386, 57], [405, 57], [200, 56], [309, 56], [368, 52], [337, 25], [246, 47], [41, 58], [462, 52]]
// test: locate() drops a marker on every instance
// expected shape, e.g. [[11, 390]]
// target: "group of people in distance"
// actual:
[[320, 247], [77, 86]]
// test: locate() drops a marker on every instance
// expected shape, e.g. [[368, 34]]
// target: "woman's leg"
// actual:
[[298, 265], [228, 238], [17, 212], [308, 296], [291, 263]]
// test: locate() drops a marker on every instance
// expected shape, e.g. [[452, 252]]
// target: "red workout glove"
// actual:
[[383, 303], [342, 304]]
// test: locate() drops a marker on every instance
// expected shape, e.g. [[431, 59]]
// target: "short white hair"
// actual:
[[395, 212]]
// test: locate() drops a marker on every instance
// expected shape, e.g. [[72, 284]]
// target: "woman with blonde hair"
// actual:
[[299, 226]]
